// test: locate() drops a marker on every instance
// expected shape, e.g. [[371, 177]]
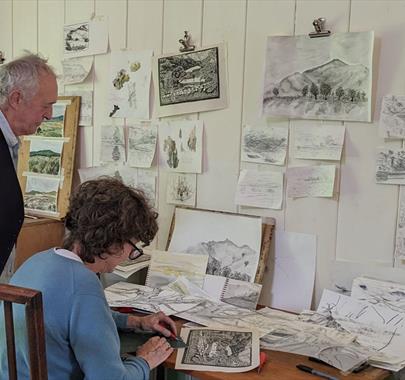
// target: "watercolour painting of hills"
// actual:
[[326, 78]]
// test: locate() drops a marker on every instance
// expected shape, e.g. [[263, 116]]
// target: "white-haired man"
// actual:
[[28, 89]]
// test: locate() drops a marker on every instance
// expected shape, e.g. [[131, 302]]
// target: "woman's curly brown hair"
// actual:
[[105, 213]]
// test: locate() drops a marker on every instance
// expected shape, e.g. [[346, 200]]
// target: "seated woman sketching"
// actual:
[[105, 221]]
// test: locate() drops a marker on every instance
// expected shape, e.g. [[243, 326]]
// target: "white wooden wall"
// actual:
[[359, 225]]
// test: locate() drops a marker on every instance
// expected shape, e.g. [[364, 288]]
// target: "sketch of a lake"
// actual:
[[390, 166], [392, 119], [266, 145], [329, 78]]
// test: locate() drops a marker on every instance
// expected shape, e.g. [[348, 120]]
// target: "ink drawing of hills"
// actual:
[[322, 80], [227, 259]]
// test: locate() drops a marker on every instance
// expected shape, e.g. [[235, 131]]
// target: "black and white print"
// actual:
[[392, 119], [329, 78], [77, 37], [191, 82], [390, 166]]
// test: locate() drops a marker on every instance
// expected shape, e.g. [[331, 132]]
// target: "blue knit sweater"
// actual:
[[81, 332]]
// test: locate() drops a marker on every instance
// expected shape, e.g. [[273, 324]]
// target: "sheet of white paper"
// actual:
[[319, 78], [194, 81], [165, 267], [112, 144], [400, 231], [319, 142], [260, 189], [232, 241], [180, 145], [291, 272], [264, 145], [390, 167], [181, 189], [129, 85], [86, 106], [392, 117], [76, 70], [311, 181], [85, 38], [142, 145], [227, 350]]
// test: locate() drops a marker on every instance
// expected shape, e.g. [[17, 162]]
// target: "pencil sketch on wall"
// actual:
[[264, 145], [129, 84], [311, 181], [112, 144], [142, 145], [124, 294], [392, 117], [85, 38], [86, 106], [180, 145], [191, 82], [41, 194], [319, 143], [390, 166], [165, 267], [400, 231], [45, 156], [230, 350], [329, 78], [181, 189], [76, 70]]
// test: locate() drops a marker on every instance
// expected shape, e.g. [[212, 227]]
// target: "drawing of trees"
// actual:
[[275, 91], [339, 92], [304, 91], [352, 94], [325, 89], [314, 90]]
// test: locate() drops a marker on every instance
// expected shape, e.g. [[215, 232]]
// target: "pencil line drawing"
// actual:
[[390, 166], [241, 293], [41, 193], [76, 70], [400, 231], [217, 348], [124, 294], [266, 145], [45, 156], [181, 189], [392, 118], [232, 242], [141, 145], [112, 144], [329, 78], [166, 267]]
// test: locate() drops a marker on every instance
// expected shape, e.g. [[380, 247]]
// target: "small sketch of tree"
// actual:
[[325, 89], [314, 90], [275, 91], [351, 93], [363, 96], [339, 92], [304, 91], [116, 155]]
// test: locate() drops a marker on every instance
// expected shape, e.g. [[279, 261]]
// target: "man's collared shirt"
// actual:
[[11, 139]]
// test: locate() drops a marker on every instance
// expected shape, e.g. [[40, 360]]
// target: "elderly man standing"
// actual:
[[28, 89]]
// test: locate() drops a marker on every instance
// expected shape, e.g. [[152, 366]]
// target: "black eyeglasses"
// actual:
[[135, 252]]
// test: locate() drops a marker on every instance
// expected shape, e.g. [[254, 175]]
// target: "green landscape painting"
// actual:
[[45, 157]]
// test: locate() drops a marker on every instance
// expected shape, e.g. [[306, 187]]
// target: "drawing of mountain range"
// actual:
[[335, 73], [228, 259]]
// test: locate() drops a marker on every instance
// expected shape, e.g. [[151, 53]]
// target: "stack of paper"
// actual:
[[129, 267]]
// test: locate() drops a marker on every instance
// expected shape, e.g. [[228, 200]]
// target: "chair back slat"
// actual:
[[32, 299]]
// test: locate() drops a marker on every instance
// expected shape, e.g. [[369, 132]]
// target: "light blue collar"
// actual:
[[11, 138]]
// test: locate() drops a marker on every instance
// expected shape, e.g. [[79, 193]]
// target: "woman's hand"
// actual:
[[155, 351], [158, 322]]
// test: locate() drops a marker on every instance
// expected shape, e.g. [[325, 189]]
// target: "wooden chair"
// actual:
[[32, 299]]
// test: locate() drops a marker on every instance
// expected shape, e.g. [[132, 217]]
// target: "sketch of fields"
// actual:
[[232, 242], [319, 143], [124, 294], [41, 193], [392, 118], [112, 144], [141, 145], [166, 267], [390, 167], [45, 156], [54, 126], [329, 78], [207, 347], [266, 145]]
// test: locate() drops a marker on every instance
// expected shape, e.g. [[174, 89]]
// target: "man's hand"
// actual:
[[158, 322], [155, 351]]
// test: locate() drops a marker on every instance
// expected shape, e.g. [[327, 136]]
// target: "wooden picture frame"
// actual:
[[268, 225], [71, 122]]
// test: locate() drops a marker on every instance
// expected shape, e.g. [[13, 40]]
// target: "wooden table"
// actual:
[[280, 366]]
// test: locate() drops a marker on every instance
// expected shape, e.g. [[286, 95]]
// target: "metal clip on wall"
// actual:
[[319, 25], [186, 43]]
